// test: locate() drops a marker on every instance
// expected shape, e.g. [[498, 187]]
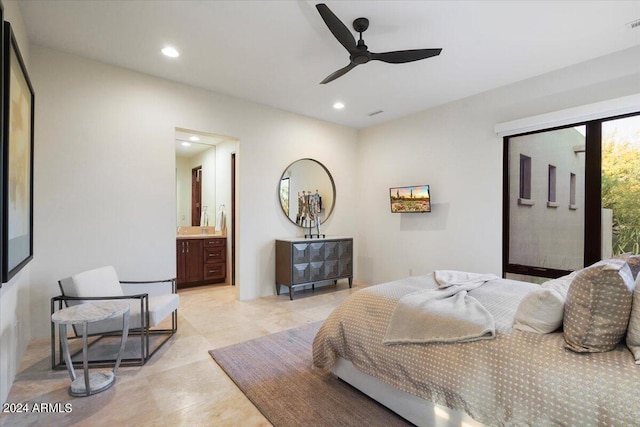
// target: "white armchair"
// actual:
[[151, 302]]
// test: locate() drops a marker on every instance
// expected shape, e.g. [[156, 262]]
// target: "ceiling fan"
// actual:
[[359, 53]]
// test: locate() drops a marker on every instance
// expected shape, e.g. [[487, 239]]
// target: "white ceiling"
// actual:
[[277, 52]]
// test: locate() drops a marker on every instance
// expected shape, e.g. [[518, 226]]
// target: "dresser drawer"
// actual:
[[215, 271], [215, 254], [345, 249], [331, 250], [300, 253], [214, 242]]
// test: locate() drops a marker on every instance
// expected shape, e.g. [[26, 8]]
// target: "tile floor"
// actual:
[[180, 385]]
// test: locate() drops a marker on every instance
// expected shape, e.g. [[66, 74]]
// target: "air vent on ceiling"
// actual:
[[634, 24], [375, 113]]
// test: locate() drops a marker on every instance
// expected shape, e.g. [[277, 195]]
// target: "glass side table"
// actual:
[[83, 314]]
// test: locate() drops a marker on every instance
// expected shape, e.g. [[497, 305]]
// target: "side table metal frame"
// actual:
[[103, 381]]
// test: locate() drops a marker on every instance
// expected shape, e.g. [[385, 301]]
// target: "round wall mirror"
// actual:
[[311, 179]]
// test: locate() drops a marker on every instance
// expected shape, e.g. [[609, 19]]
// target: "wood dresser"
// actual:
[[201, 260], [301, 262]]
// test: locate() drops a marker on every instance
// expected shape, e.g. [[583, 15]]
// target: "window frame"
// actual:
[[552, 199], [592, 193], [525, 177]]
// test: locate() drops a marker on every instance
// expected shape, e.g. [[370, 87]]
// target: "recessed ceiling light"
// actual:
[[185, 144], [170, 52], [338, 105], [194, 138]]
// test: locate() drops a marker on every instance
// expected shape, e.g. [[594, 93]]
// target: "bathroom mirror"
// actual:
[[300, 178], [196, 180], [201, 176]]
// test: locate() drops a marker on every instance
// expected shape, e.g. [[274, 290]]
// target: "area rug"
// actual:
[[275, 373]]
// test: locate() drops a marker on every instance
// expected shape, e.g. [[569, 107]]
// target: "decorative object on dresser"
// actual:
[[201, 260], [309, 211], [301, 262]]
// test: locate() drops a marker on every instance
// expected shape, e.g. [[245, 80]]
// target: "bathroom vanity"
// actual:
[[201, 259]]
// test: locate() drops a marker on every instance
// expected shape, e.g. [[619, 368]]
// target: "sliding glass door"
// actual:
[[621, 186]]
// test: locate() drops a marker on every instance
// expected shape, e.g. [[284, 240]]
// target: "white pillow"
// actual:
[[561, 284], [542, 310]]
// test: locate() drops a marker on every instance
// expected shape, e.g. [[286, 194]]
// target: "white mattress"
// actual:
[[420, 412]]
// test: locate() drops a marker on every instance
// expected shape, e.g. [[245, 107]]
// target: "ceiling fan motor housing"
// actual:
[[360, 57]]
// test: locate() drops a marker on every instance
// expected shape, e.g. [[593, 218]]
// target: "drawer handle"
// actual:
[[215, 255], [214, 271]]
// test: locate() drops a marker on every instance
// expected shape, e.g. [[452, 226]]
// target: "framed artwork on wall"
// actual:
[[410, 199], [1, 120], [17, 159]]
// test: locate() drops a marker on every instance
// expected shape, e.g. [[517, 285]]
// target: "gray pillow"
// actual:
[[633, 331], [598, 307], [634, 265]]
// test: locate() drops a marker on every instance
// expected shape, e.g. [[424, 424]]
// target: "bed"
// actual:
[[515, 378]]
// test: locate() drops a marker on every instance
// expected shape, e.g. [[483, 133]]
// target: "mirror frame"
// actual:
[[333, 187]]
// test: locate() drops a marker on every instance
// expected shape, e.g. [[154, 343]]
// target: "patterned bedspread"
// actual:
[[517, 379]]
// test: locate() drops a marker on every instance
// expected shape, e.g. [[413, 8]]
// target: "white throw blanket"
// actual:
[[442, 315]]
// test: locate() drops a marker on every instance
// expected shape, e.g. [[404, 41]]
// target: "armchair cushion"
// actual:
[[162, 306], [100, 282]]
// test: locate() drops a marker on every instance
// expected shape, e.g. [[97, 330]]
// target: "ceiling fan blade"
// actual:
[[340, 72], [402, 56], [337, 28]]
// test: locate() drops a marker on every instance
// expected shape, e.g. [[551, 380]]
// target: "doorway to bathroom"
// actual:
[[205, 207]]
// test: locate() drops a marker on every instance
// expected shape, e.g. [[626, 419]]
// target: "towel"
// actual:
[[443, 315], [220, 220]]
